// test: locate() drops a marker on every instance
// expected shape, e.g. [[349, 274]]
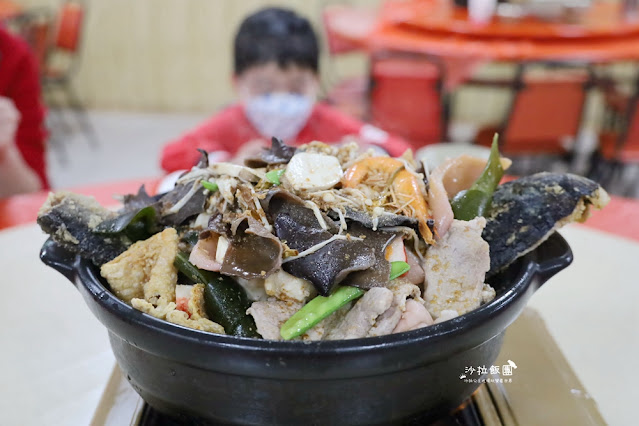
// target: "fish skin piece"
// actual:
[[70, 220], [526, 211]]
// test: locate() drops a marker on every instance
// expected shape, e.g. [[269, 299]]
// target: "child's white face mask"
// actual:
[[279, 114]]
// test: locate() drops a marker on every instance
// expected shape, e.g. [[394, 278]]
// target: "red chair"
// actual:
[[66, 41], [618, 141], [545, 112], [623, 148], [406, 97], [69, 27], [404, 90]]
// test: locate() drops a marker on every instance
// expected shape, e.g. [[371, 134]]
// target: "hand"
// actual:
[[9, 119]]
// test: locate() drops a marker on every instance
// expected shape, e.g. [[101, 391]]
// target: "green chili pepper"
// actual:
[[318, 309], [274, 176], [225, 300], [211, 186], [398, 268], [476, 200]]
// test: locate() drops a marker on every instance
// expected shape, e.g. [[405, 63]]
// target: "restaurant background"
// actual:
[[174, 56], [150, 69]]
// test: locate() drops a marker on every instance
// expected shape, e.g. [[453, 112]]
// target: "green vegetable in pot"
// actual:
[[274, 176], [398, 268], [224, 300], [137, 225], [476, 200], [318, 309], [211, 186]]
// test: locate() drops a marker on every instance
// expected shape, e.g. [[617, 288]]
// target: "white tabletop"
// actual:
[[56, 357]]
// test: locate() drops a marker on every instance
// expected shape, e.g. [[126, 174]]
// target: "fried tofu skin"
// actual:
[[145, 270], [196, 317]]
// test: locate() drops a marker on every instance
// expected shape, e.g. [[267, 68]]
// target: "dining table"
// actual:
[[57, 360], [601, 33]]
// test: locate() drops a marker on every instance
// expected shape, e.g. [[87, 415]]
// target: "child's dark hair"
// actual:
[[275, 34]]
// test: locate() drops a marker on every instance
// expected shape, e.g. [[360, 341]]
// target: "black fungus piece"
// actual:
[[384, 220], [70, 219], [135, 202], [253, 251], [278, 153], [379, 274], [330, 264], [278, 201], [338, 261], [203, 162], [527, 210], [218, 225], [194, 205]]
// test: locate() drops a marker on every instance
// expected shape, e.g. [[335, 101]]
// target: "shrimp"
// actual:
[[360, 170], [404, 184], [409, 195]]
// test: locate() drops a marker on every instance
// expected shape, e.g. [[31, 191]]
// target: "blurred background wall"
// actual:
[[176, 56], [173, 55]]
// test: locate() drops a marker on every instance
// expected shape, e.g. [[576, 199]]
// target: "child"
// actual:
[[276, 79]]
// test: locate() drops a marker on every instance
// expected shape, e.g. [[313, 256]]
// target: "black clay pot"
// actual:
[[383, 380]]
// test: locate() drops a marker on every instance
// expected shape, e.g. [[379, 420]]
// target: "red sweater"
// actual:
[[230, 129], [20, 82]]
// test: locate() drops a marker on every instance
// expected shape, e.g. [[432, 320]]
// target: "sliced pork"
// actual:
[[387, 322], [456, 267], [361, 318]]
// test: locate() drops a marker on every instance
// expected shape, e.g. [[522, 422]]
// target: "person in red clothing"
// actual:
[[276, 57], [22, 133]]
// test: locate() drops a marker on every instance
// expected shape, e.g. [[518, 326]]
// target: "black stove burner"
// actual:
[[468, 414]]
